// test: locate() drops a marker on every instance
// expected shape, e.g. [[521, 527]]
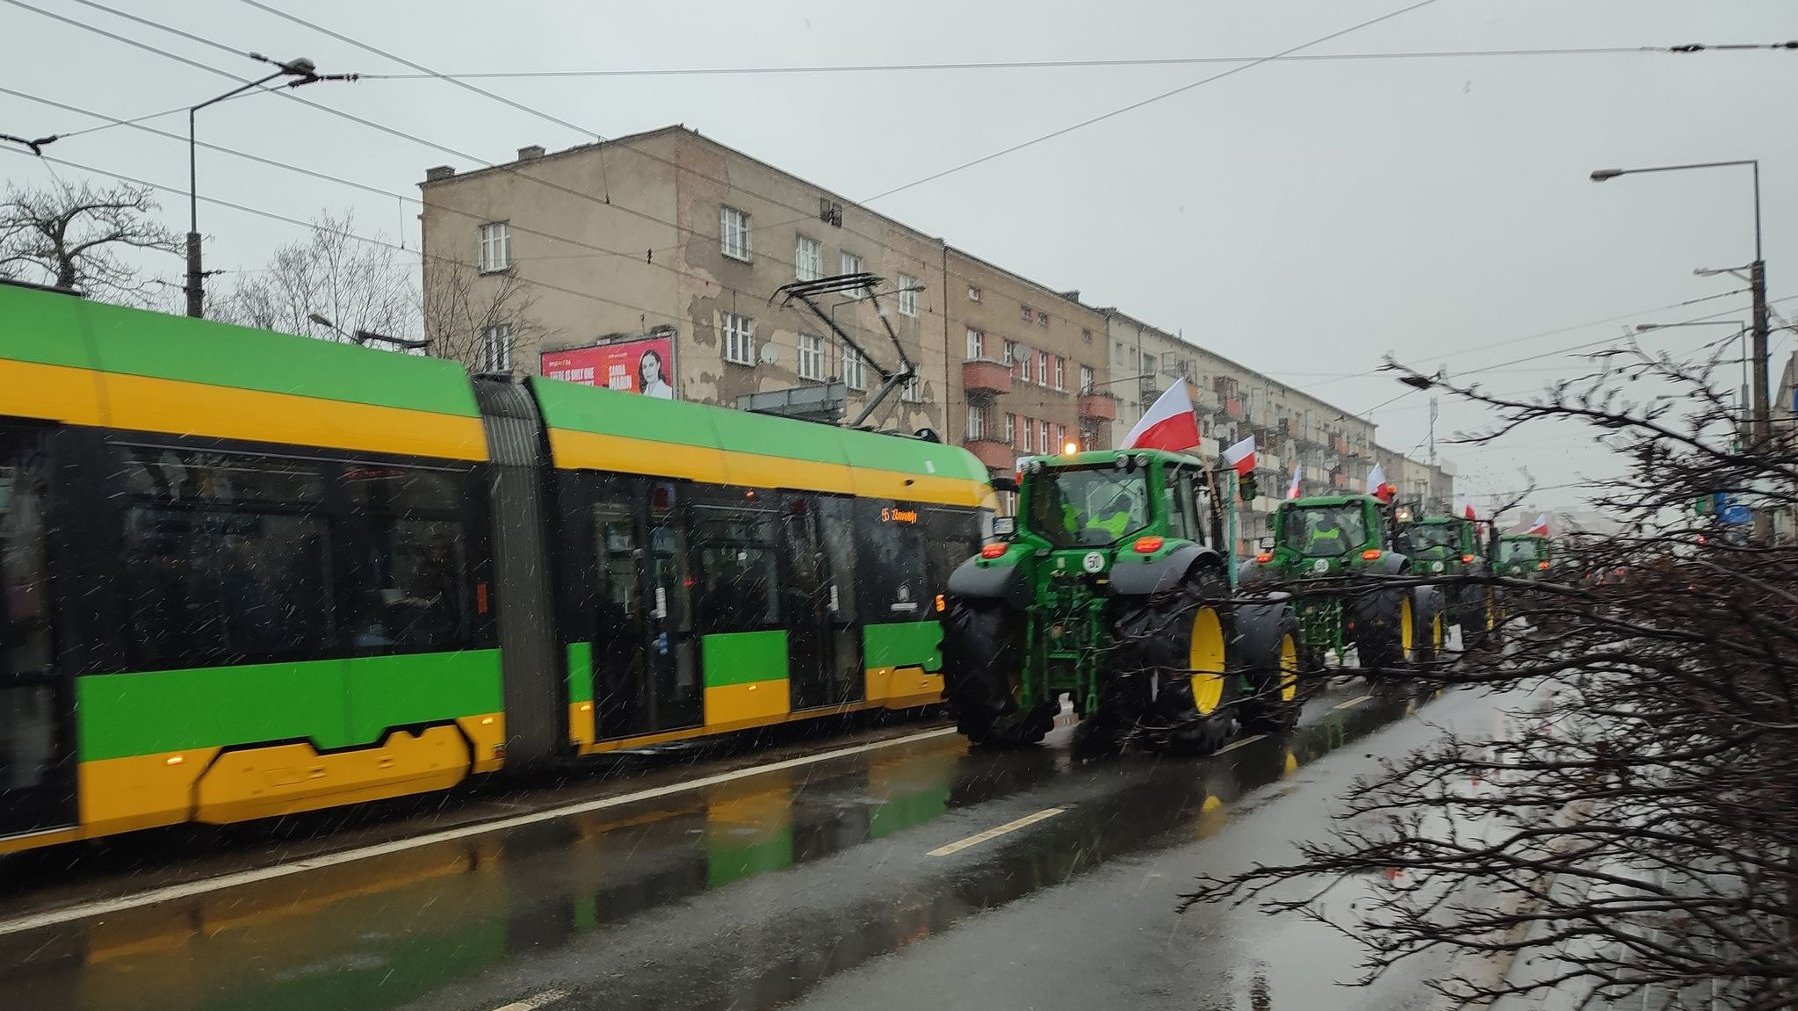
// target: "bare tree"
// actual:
[[76, 236], [354, 283], [466, 312], [1638, 838]]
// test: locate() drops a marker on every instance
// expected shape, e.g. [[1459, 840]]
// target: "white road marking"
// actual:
[[543, 999], [994, 833], [1245, 742], [190, 889], [1357, 700]]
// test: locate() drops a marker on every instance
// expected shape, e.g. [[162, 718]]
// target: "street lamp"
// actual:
[[1757, 282], [304, 72]]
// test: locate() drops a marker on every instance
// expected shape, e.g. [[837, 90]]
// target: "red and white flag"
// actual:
[[1169, 424], [1540, 527], [1375, 478], [1242, 456], [1292, 490], [1468, 511]]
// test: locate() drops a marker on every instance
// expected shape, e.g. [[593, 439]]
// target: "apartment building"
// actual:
[[670, 236], [1033, 365]]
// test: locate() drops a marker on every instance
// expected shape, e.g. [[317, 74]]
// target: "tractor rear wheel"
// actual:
[[1179, 643], [1430, 608], [1267, 652], [1385, 629], [982, 657]]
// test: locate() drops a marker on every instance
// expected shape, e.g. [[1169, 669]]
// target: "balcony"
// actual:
[[1098, 407], [994, 454], [1233, 407], [983, 377]]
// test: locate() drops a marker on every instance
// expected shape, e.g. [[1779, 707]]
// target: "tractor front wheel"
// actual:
[[1177, 642], [982, 657], [1268, 654], [1385, 629]]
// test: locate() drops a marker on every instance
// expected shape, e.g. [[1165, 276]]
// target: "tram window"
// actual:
[[893, 580], [409, 587], [737, 575], [951, 536], [836, 518], [24, 573], [226, 559]]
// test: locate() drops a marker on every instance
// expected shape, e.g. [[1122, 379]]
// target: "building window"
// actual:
[[1021, 356], [973, 293], [1024, 313], [976, 344], [808, 259], [1061, 373], [1061, 435], [495, 246], [1029, 436], [908, 391], [1042, 318], [811, 356], [733, 232], [496, 348], [1086, 379], [739, 339], [1042, 368], [1042, 436], [976, 423], [849, 263], [1086, 336], [908, 295], [1010, 354], [1011, 430], [855, 371]]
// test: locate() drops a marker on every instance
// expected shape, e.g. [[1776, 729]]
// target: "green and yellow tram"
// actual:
[[247, 574]]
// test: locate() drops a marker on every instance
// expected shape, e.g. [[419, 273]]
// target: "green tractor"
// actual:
[[1110, 587], [1521, 556], [1449, 546], [1335, 553]]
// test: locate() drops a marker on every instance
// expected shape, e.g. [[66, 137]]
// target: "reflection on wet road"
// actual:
[[746, 894]]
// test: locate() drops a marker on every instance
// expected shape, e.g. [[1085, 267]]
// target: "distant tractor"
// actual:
[[1449, 546], [1339, 556], [1521, 556], [1110, 588]]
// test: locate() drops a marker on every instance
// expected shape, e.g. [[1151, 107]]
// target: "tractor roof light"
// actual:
[[1148, 545], [994, 550], [1370, 554]]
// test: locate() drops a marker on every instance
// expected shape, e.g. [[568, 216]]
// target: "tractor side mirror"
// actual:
[[1005, 527], [1004, 484]]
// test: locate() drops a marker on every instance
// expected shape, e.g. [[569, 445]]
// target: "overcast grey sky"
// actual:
[[1303, 218]]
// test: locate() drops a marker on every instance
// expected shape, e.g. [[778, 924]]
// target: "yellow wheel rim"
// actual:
[[1407, 634], [1289, 668], [1205, 657], [1491, 611], [1436, 633]]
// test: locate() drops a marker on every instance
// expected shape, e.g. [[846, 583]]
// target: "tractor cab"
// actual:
[[1329, 535], [1523, 556], [1093, 511]]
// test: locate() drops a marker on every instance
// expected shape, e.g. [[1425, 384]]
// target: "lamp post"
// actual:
[[1757, 282], [304, 72]]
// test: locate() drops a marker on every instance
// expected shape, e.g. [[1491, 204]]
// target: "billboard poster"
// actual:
[[635, 366]]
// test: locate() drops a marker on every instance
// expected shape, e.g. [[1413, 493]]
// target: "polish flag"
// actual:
[[1540, 527], [1169, 424], [1242, 456], [1375, 478], [1292, 490]]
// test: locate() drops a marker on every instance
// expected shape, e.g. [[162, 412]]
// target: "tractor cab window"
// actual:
[[1088, 507], [1434, 537], [1520, 551], [1324, 531]]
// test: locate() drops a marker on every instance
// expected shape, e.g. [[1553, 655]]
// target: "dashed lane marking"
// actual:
[[1245, 742], [994, 833], [170, 893], [1357, 700], [543, 999]]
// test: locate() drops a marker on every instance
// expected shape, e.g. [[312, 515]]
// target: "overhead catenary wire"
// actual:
[[1081, 64]]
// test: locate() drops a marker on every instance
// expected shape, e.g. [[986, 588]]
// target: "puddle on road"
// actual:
[[378, 933]]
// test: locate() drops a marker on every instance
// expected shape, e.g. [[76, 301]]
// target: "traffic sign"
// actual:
[[1738, 514]]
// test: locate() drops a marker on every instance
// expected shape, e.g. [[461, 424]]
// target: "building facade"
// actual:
[[669, 240]]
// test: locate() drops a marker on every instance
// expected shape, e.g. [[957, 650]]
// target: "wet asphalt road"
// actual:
[[859, 882]]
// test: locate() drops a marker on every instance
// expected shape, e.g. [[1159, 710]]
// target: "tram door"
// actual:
[[817, 607], [37, 777], [645, 651]]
